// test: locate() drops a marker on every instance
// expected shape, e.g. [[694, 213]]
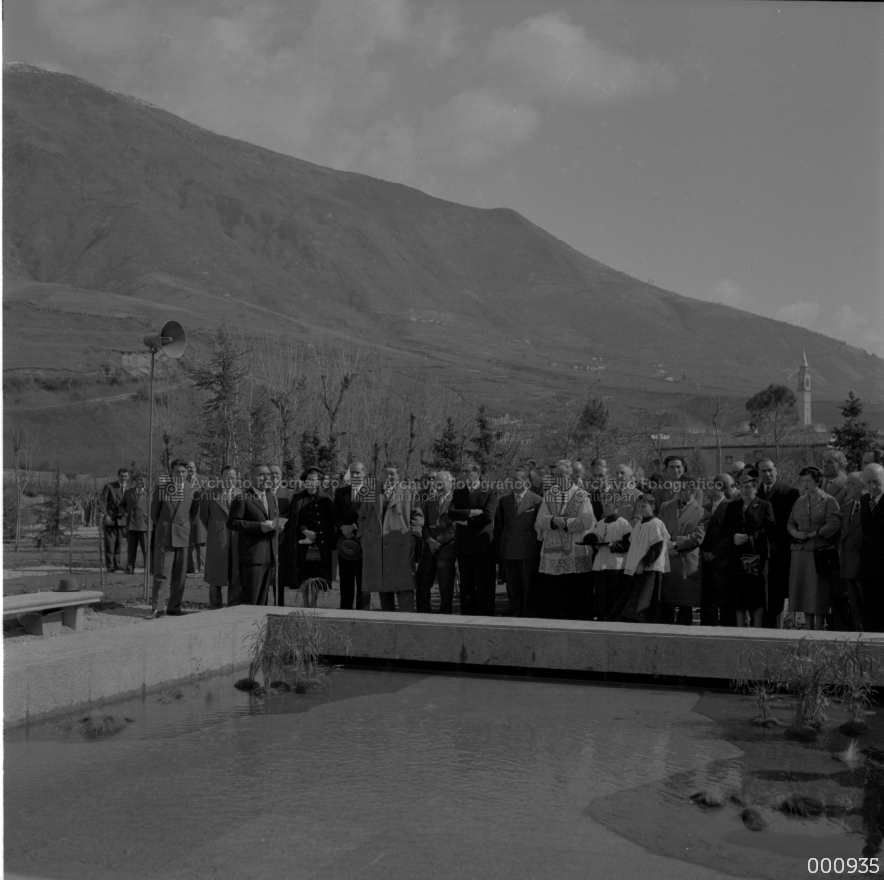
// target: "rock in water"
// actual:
[[753, 819]]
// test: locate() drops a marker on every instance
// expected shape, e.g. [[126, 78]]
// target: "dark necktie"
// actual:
[[872, 503]]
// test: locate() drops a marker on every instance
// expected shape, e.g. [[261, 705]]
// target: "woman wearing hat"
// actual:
[[747, 529], [813, 524], [313, 533]]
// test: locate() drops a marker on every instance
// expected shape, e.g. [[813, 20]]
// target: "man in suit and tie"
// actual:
[[113, 510], [345, 512], [782, 498], [712, 564], [518, 548], [871, 552], [222, 565], [850, 540], [437, 551], [137, 506], [172, 510], [473, 506], [253, 514]]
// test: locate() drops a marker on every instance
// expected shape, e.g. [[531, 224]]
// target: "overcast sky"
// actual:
[[729, 151]]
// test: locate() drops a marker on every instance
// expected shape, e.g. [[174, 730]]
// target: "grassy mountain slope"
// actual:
[[119, 214]]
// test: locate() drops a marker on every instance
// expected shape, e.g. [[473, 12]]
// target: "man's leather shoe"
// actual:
[[177, 613], [155, 615]]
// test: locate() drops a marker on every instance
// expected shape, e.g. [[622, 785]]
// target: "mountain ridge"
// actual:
[[109, 193]]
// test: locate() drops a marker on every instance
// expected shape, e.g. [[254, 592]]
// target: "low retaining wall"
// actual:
[[58, 675]]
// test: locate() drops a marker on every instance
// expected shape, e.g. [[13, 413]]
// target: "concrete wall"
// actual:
[[58, 675]]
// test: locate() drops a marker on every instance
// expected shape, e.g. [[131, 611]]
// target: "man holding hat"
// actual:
[[437, 554]]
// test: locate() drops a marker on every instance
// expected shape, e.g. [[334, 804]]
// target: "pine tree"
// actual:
[[484, 441], [222, 378], [315, 453], [447, 450], [854, 438]]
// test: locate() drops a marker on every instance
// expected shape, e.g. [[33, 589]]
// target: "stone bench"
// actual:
[[42, 613]]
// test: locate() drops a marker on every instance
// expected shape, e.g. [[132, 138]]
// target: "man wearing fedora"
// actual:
[[345, 508], [173, 508], [253, 515]]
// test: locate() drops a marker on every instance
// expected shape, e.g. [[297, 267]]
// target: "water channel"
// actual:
[[412, 775]]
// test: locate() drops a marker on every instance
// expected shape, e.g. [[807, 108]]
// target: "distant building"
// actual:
[[803, 390], [750, 448]]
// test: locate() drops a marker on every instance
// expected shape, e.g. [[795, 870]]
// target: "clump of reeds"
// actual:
[[857, 672], [810, 671], [291, 649], [852, 757], [102, 725], [761, 677], [802, 805], [311, 588]]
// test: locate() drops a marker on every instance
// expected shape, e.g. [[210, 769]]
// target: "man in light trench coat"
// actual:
[[389, 530]]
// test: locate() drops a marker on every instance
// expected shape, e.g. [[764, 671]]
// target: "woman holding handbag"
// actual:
[[312, 525], [813, 524], [746, 531]]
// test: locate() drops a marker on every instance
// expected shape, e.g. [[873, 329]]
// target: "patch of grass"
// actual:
[[93, 726]]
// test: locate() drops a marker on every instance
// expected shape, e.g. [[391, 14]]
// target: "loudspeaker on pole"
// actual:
[[171, 340]]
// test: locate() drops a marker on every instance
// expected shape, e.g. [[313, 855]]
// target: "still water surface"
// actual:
[[401, 775]]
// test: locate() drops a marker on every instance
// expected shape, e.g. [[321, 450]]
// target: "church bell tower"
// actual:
[[803, 390]]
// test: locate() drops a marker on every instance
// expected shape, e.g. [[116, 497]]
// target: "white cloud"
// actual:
[[801, 314], [729, 293], [549, 56], [385, 87], [854, 328], [477, 125]]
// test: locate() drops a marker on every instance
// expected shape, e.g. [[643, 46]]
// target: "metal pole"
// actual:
[[149, 487]]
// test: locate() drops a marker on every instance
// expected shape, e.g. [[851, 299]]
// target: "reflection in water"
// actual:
[[401, 775]]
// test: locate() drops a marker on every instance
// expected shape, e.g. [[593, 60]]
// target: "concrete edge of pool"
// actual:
[[59, 675]]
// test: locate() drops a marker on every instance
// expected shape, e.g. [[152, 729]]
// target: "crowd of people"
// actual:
[[567, 544]]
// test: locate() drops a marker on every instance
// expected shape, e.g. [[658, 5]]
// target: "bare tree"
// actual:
[[22, 448], [281, 369], [337, 367]]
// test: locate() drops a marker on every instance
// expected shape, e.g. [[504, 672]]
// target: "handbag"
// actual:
[[751, 564], [313, 554], [825, 559]]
